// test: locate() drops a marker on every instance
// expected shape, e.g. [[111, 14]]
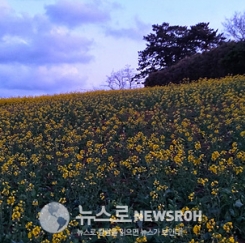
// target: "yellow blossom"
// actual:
[[197, 229]]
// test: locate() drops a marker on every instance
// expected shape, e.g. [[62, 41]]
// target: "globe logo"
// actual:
[[54, 217]]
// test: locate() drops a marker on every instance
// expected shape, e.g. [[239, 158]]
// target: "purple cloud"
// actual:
[[11, 24], [34, 40], [48, 79], [46, 48], [38, 56], [73, 13]]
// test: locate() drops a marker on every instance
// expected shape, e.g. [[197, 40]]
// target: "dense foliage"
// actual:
[[170, 44], [227, 59], [177, 147]]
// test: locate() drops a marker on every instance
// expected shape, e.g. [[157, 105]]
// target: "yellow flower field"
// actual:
[[179, 147]]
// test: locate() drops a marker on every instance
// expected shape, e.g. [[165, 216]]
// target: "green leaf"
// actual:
[[238, 203], [232, 212], [240, 219], [33, 193], [206, 236], [226, 190]]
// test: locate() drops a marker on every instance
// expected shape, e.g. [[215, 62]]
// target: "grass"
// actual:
[[179, 147]]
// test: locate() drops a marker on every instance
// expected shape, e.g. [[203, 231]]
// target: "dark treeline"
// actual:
[[226, 59]]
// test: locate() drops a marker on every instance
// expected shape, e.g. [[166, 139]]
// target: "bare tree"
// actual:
[[122, 79], [235, 26]]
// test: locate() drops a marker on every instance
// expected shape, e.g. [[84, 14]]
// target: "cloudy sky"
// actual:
[[59, 46]]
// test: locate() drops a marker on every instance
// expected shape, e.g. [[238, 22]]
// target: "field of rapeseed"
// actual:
[[180, 147]]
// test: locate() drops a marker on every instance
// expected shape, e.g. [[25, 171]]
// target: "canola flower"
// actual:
[[175, 147]]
